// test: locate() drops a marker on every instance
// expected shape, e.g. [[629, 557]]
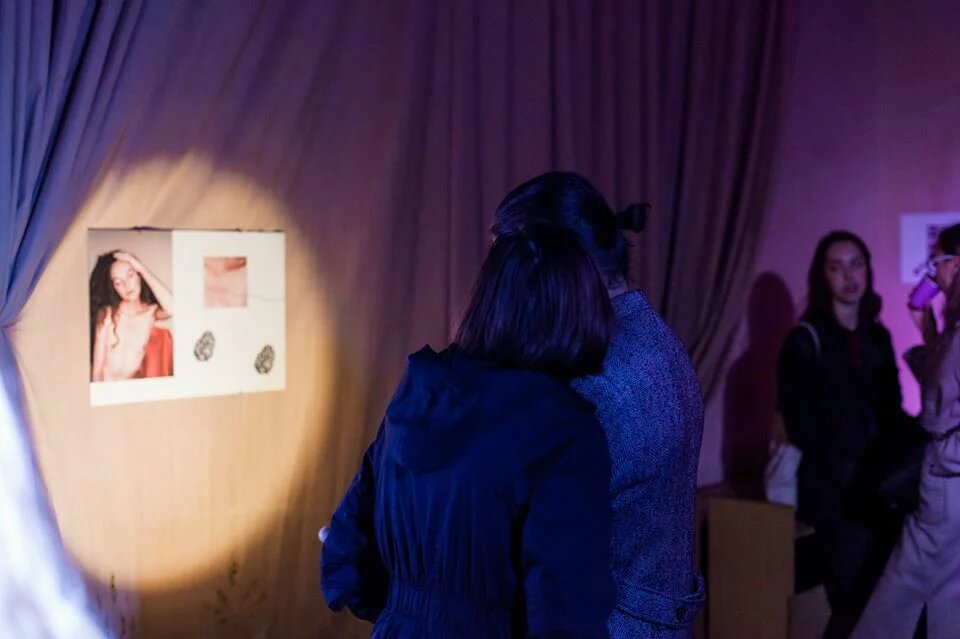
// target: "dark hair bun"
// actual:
[[633, 218]]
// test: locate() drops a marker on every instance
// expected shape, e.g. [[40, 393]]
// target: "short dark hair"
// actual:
[[571, 201], [819, 297], [538, 304], [949, 240]]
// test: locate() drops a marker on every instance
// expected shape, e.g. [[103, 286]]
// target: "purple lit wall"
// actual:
[[872, 130]]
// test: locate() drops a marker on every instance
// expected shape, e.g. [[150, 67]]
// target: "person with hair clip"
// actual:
[[649, 404], [924, 570], [481, 508], [839, 394]]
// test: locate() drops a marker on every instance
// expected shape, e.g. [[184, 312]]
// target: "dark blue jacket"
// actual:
[[480, 510]]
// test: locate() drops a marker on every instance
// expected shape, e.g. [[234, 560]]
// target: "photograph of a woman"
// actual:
[[130, 313], [228, 333]]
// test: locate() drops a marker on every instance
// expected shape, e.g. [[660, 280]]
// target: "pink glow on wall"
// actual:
[[871, 131]]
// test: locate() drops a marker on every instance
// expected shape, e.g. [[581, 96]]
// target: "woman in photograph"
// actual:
[[482, 508], [129, 313]]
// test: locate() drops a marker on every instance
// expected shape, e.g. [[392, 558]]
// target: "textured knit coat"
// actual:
[[649, 404]]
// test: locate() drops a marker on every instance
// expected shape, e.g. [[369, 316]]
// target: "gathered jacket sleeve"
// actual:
[[351, 568]]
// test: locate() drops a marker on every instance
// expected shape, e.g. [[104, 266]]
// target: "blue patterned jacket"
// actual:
[[649, 404]]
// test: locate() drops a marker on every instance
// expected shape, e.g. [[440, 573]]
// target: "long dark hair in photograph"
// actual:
[[104, 296]]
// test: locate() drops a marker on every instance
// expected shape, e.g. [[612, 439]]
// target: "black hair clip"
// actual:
[[633, 218]]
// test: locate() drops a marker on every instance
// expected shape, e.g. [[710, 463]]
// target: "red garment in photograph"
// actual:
[[158, 356]]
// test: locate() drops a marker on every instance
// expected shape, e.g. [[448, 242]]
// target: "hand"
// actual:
[[123, 256]]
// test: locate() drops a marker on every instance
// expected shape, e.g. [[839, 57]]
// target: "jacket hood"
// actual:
[[433, 412], [445, 398]]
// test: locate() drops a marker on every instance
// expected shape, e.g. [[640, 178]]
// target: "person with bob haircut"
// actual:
[[481, 510]]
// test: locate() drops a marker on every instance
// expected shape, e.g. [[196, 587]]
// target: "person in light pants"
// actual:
[[924, 570]]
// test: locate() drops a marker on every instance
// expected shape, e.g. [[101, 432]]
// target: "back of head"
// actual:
[[949, 240], [538, 304], [568, 200]]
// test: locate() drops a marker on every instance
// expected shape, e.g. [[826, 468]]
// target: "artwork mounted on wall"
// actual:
[[918, 234], [177, 313]]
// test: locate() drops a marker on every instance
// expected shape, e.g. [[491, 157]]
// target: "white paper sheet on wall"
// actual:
[[225, 330], [918, 234]]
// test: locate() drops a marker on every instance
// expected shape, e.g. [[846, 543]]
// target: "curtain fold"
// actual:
[[61, 76], [731, 106], [674, 103]]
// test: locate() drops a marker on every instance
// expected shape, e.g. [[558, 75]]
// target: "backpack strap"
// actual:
[[813, 335]]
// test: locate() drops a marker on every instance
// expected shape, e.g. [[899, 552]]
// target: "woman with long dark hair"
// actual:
[[481, 510], [129, 311], [839, 392]]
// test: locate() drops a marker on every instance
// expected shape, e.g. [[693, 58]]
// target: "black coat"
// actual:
[[835, 404]]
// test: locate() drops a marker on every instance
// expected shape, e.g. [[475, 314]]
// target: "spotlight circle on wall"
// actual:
[[155, 494]]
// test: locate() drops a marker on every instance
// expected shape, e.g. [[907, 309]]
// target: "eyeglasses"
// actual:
[[931, 264]]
